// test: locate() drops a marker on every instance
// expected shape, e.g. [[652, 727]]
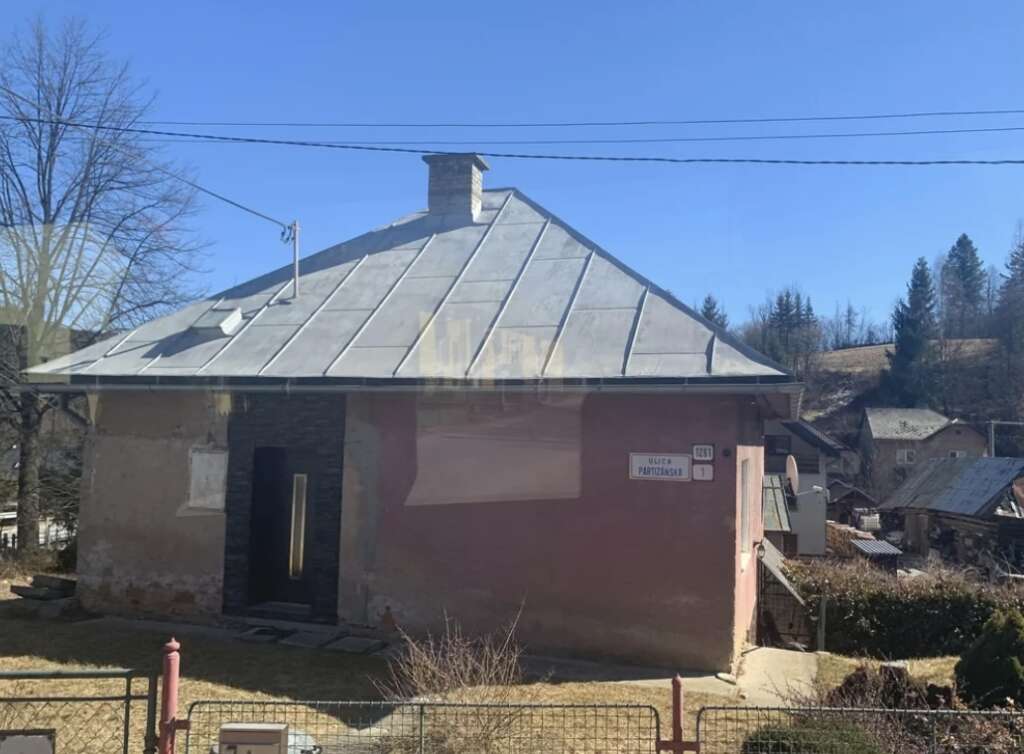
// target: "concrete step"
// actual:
[[37, 593], [56, 583]]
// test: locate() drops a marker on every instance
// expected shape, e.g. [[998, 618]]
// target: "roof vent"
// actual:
[[218, 322], [456, 184]]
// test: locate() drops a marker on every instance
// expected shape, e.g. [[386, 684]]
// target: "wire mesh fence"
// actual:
[[819, 730], [87, 712], [434, 728]]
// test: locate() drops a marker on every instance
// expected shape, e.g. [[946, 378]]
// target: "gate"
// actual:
[[82, 712]]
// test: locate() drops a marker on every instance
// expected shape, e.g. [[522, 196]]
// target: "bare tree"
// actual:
[[93, 227]]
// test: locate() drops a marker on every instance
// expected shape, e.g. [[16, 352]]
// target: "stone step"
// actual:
[[37, 593], [57, 583]]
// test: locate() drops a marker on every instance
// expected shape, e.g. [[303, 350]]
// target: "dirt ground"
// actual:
[[832, 669]]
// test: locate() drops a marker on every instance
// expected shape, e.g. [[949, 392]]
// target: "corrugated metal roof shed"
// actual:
[[904, 423], [875, 548], [514, 294], [814, 436], [775, 505], [961, 486]]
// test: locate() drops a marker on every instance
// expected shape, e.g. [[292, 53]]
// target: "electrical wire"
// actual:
[[521, 155], [683, 139], [588, 124]]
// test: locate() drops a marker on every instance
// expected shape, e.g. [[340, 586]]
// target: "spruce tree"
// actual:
[[711, 311], [1010, 308], [963, 290], [910, 377]]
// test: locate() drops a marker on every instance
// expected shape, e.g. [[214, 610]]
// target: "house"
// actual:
[[849, 504], [473, 410], [970, 510], [894, 440], [812, 450]]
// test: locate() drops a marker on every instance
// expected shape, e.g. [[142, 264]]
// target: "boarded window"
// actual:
[[208, 471], [485, 448]]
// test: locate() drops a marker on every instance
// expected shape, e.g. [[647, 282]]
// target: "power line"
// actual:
[[518, 155], [285, 227], [682, 139], [586, 124]]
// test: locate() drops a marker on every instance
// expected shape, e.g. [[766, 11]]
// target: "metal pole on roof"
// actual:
[[295, 257], [991, 439]]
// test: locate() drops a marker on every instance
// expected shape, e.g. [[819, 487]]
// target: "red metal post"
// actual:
[[676, 744], [169, 697], [677, 709]]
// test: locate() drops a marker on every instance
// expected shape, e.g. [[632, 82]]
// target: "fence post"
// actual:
[[169, 697], [423, 711], [151, 735], [822, 612], [676, 744]]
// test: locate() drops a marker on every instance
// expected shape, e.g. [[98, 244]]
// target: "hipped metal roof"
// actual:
[[960, 486], [515, 294], [905, 423]]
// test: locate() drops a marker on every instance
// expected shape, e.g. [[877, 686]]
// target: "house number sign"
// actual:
[[703, 453]]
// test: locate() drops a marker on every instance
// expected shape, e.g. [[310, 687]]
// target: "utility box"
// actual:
[[253, 738]]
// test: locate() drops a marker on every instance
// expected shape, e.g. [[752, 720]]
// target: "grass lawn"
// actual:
[[832, 669], [224, 669]]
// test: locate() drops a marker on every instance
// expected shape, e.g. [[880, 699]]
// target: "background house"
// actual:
[[474, 410], [812, 450], [969, 510], [895, 440]]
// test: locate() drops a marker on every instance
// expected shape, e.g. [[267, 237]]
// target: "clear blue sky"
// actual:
[[738, 231]]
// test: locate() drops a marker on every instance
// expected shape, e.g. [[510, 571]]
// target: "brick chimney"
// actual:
[[456, 184]]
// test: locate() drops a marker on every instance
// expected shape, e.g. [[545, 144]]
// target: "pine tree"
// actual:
[[712, 311], [909, 380], [1010, 308], [963, 290]]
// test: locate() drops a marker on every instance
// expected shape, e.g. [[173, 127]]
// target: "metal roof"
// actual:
[[962, 486], [775, 562], [814, 436], [776, 504], [874, 548], [904, 423], [515, 294]]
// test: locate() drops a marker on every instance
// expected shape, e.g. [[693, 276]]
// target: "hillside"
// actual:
[[845, 382]]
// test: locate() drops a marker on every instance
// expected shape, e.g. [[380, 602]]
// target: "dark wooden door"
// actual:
[[282, 509]]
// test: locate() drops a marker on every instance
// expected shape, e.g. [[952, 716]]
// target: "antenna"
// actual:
[[291, 233]]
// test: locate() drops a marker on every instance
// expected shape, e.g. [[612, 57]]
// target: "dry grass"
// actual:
[[872, 360], [832, 668], [219, 669]]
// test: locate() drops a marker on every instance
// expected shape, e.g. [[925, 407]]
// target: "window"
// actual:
[[906, 456], [504, 447], [208, 470], [745, 506], [297, 547], [778, 445], [958, 454]]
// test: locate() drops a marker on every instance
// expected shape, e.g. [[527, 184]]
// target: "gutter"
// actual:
[[751, 386]]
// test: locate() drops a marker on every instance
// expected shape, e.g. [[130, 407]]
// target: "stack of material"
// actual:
[[46, 588]]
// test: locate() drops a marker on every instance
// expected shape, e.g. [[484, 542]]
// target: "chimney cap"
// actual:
[[476, 160]]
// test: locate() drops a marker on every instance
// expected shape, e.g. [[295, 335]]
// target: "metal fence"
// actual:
[[85, 712], [819, 730], [434, 728]]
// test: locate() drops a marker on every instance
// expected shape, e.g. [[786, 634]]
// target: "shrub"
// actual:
[[991, 670], [811, 737], [870, 612]]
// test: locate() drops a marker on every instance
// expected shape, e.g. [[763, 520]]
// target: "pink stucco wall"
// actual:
[[644, 571]]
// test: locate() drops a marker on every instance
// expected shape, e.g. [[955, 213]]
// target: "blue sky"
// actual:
[[738, 231]]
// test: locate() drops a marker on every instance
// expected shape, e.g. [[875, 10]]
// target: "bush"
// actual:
[[991, 671], [872, 613], [811, 737]]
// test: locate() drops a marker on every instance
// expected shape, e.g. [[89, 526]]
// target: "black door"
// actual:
[[279, 542]]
